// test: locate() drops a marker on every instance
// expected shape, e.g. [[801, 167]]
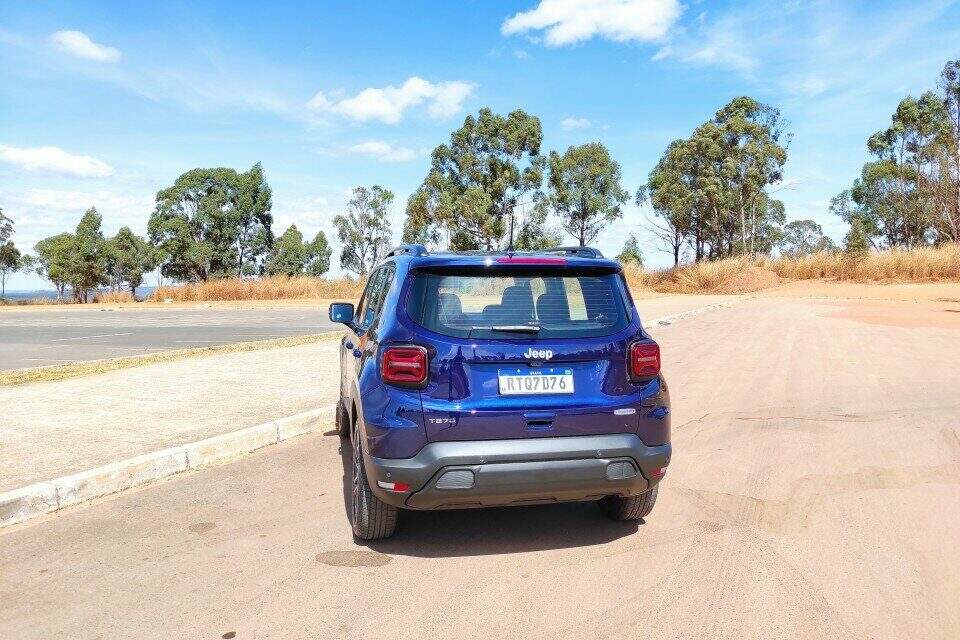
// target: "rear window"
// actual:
[[514, 306]]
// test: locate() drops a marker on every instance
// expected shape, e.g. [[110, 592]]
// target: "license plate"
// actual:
[[525, 382]]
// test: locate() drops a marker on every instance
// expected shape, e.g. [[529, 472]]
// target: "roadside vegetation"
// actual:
[[710, 203]]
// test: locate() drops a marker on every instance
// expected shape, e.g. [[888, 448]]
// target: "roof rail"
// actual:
[[407, 249], [579, 252]]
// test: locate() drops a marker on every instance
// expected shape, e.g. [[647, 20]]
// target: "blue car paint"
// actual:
[[461, 401]]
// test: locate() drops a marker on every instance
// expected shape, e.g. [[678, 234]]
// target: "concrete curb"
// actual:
[[37, 499], [668, 320]]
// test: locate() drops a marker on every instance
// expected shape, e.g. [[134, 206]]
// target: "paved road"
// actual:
[[47, 337], [814, 493], [36, 338]]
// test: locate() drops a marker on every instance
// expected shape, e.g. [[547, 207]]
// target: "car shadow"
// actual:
[[479, 532]]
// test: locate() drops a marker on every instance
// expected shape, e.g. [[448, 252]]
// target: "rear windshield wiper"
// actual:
[[509, 328]]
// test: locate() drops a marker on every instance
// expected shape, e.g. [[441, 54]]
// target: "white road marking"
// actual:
[[102, 335]]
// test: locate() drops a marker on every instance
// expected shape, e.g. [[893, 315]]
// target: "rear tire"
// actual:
[[372, 519], [342, 423], [629, 509]]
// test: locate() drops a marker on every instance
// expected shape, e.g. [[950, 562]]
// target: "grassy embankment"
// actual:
[[732, 275]]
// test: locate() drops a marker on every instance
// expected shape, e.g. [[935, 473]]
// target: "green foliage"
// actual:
[[909, 195], [55, 261], [318, 255], [213, 223], [709, 191], [130, 257], [289, 254], [11, 261], [534, 235], [6, 227], [90, 256], [856, 241], [804, 237], [631, 253], [364, 231], [584, 189], [477, 181]]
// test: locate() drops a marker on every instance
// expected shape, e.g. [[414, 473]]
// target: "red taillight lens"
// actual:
[[404, 366], [644, 359]]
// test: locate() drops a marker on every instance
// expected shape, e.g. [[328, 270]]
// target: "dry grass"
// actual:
[[893, 266], [273, 288], [77, 369], [732, 275], [745, 275], [113, 297]]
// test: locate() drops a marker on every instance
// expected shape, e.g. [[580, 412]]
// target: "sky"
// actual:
[[105, 103]]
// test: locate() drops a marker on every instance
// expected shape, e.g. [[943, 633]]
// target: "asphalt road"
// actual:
[[814, 493], [36, 338], [55, 336]]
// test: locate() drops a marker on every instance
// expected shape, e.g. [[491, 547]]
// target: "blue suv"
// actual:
[[494, 379]]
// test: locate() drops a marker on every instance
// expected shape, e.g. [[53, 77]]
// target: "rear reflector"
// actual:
[[644, 359], [399, 487], [656, 473], [404, 366]]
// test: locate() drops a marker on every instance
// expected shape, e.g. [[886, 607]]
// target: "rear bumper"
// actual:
[[505, 472]]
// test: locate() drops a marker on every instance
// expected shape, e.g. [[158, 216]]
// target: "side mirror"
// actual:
[[341, 312]]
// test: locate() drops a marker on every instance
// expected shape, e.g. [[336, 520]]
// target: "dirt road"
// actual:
[[814, 493]]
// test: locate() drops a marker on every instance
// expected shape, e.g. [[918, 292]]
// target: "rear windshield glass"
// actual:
[[500, 306]]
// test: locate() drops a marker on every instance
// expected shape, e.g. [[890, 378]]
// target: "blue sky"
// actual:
[[105, 103]]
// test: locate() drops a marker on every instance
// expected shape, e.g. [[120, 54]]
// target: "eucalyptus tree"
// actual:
[[213, 223], [711, 190], [584, 189], [478, 180], [364, 230]]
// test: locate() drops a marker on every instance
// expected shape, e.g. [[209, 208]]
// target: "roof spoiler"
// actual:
[[579, 252], [407, 249]]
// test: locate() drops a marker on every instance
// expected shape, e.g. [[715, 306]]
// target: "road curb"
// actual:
[[668, 320], [40, 498]]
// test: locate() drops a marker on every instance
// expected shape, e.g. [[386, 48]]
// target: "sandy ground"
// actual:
[[814, 493]]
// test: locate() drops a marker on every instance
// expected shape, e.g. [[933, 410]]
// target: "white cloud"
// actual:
[[570, 21], [79, 44], [575, 123], [383, 151], [388, 104], [55, 160], [724, 43]]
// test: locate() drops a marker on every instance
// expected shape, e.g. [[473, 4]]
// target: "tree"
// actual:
[[804, 237], [130, 258], [364, 231], [856, 241], [318, 255], [477, 181], [948, 186], [11, 261], [710, 190], [909, 194], [55, 261], [90, 256], [584, 189], [631, 253], [289, 254], [213, 223], [6, 227]]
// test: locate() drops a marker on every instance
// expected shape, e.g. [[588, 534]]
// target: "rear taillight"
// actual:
[[404, 366], [644, 360]]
